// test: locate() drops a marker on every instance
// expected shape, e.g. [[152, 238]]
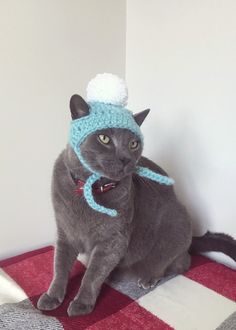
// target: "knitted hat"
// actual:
[[107, 97]]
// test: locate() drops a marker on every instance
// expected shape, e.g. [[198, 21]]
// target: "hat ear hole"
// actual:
[[139, 117], [78, 107]]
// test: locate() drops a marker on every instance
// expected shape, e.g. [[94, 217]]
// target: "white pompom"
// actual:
[[107, 88]]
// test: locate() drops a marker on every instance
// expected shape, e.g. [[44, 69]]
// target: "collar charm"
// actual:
[[79, 190]]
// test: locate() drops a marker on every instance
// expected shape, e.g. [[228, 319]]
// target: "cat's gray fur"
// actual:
[[150, 237]]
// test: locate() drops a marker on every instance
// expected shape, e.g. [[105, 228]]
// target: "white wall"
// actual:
[[181, 62], [49, 49]]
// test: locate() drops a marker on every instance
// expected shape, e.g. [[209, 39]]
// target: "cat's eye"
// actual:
[[133, 144], [104, 138]]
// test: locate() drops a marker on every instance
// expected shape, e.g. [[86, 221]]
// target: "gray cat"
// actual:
[[151, 236]]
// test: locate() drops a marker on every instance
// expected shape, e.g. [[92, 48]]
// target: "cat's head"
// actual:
[[112, 152]]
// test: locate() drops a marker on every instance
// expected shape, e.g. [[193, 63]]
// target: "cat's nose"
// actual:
[[124, 160]]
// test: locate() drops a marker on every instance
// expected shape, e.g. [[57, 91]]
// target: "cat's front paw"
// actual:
[[78, 307], [147, 283], [47, 303]]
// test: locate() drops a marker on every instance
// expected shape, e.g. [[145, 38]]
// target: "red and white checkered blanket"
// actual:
[[203, 298]]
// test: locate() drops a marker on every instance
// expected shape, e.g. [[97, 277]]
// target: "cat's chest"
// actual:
[[84, 227], [79, 234], [77, 223]]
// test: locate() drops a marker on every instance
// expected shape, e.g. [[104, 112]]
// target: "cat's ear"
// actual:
[[139, 117], [78, 107]]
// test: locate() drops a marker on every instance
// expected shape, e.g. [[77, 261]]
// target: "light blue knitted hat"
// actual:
[[107, 97]]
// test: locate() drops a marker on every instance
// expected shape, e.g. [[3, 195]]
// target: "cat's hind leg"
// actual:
[[149, 272], [149, 279], [148, 283], [180, 265]]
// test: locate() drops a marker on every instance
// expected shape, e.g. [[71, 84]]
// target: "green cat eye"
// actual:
[[104, 138], [134, 144]]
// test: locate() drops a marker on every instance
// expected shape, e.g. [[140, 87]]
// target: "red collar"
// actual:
[[96, 188]]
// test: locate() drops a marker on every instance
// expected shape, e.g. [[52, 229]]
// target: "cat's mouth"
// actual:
[[111, 169], [118, 174]]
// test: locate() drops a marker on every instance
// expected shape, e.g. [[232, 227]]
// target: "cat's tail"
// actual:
[[217, 242]]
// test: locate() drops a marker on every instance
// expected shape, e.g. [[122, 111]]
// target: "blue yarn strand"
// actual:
[[149, 174], [90, 200], [142, 171]]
